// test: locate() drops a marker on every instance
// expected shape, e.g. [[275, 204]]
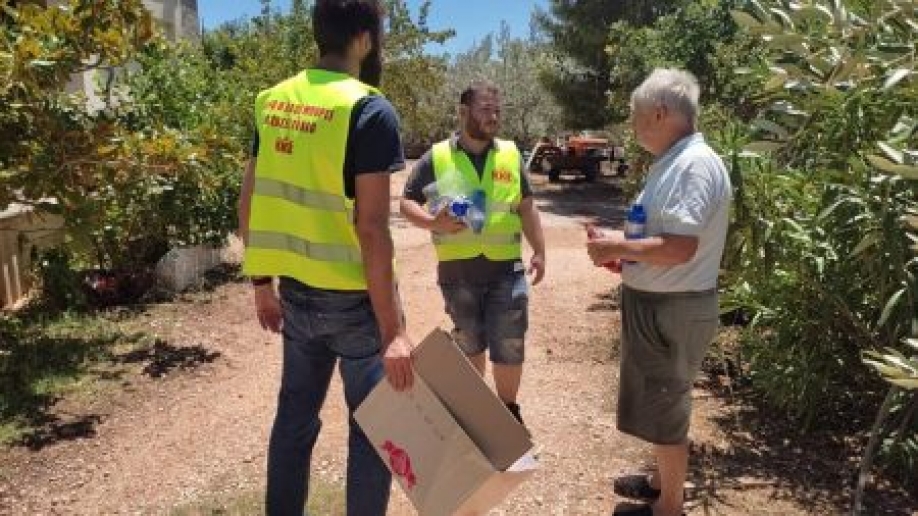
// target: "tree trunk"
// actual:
[[871, 450]]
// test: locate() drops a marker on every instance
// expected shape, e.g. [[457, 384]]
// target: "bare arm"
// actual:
[[372, 194], [416, 214], [245, 200], [664, 250], [267, 304], [443, 222], [532, 229]]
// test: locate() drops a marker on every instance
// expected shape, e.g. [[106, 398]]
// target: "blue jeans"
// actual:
[[321, 327]]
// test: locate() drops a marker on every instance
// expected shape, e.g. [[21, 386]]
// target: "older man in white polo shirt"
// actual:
[[669, 284]]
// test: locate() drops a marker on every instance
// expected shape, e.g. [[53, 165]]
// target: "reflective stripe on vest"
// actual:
[[506, 207], [501, 237], [313, 250], [301, 223], [468, 238], [303, 197]]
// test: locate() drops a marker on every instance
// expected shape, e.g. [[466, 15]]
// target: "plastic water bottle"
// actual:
[[477, 214], [435, 201], [465, 209], [636, 224], [459, 207]]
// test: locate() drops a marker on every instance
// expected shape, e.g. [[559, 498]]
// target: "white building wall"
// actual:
[[178, 19]]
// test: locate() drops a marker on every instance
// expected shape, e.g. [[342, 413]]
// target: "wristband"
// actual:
[[262, 280]]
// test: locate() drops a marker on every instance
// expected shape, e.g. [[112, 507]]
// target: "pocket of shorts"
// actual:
[[667, 388], [519, 293]]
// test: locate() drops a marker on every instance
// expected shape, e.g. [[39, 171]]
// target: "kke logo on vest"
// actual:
[[283, 145], [502, 175]]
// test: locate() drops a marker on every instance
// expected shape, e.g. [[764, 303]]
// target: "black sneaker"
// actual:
[[627, 509], [636, 487]]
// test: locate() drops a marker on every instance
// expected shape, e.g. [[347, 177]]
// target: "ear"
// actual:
[[364, 44], [661, 113]]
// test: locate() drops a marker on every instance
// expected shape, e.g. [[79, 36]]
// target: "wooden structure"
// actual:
[[23, 233]]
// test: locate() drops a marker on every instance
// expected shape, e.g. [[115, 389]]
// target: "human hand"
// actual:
[[268, 308], [445, 223], [594, 234], [537, 268], [397, 362]]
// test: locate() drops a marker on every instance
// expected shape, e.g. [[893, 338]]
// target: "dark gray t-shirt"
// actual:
[[476, 270]]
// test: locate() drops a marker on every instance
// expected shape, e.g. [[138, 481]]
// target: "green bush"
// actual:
[[61, 287], [820, 250]]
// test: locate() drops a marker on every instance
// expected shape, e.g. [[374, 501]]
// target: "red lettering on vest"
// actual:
[[283, 145], [502, 175]]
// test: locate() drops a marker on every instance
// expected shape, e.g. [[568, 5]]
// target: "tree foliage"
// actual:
[[413, 78], [256, 54], [115, 174], [824, 255], [513, 64], [155, 163], [581, 73], [603, 50], [45, 134]]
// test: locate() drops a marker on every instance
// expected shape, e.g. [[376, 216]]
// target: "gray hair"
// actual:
[[673, 89]]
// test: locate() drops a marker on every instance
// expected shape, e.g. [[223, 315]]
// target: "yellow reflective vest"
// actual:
[[301, 224], [500, 238]]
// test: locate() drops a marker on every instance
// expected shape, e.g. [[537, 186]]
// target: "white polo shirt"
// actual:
[[687, 192]]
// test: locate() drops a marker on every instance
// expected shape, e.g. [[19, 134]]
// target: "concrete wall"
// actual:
[[178, 19]]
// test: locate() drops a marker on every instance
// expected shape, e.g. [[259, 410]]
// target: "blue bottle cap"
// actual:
[[637, 213], [459, 207]]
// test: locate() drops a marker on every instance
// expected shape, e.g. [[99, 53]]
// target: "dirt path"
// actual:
[[158, 443]]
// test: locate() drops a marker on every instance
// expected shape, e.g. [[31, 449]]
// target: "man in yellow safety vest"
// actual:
[[481, 273], [314, 215]]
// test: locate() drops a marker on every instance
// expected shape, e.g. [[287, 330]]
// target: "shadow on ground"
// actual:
[[40, 364], [600, 202], [53, 429], [161, 357], [765, 451], [607, 301]]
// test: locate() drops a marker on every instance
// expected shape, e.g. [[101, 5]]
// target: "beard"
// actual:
[[372, 66], [478, 131]]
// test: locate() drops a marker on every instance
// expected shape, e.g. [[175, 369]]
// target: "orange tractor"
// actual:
[[581, 154]]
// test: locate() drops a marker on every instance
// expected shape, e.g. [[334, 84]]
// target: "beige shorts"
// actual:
[[664, 339]]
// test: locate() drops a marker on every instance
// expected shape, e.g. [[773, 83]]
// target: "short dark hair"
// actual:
[[335, 23], [468, 95]]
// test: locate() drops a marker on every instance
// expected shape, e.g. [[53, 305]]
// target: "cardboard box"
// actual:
[[450, 442]]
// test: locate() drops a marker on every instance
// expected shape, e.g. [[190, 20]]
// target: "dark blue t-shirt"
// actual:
[[373, 141]]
